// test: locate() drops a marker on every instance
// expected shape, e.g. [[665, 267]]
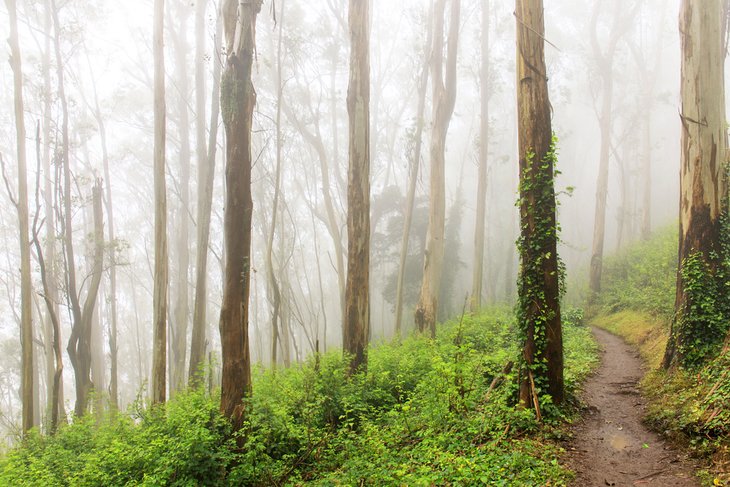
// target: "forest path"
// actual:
[[611, 445]]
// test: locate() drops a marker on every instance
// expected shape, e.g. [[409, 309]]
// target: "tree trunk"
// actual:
[[356, 324], [159, 305], [703, 186], [539, 310], [444, 98], [79, 343], [179, 326], [26, 311], [238, 98], [413, 175], [108, 203], [273, 288], [206, 178], [605, 67], [605, 60], [477, 277]]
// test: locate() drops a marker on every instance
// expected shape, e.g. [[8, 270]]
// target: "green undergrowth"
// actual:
[[690, 407], [424, 414]]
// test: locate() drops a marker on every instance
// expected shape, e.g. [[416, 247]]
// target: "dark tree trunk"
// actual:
[[238, 98], [539, 277]]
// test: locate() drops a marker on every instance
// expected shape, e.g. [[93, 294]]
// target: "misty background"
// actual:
[[107, 63]]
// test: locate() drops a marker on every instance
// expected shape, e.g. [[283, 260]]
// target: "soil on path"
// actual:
[[611, 444]]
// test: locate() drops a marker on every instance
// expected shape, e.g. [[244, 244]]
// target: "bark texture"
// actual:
[[444, 97], [238, 98], [159, 298], [356, 327], [539, 275], [703, 187]]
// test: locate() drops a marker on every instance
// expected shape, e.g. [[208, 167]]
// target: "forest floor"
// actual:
[[612, 445]]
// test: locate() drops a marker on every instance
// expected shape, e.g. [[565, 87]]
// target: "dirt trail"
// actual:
[[612, 446]]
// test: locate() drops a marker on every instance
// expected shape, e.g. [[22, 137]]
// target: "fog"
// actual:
[[106, 51]]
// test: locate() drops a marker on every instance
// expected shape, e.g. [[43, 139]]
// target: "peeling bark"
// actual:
[[238, 98], [356, 323]]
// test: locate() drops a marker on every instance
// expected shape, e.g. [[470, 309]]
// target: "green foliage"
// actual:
[[642, 277], [692, 403], [701, 326], [423, 414], [703, 321], [185, 443], [536, 244]]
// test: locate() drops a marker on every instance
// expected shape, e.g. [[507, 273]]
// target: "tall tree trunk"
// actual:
[[26, 291], [539, 283], [179, 326], [605, 66], [159, 305], [356, 325], [413, 175], [444, 98], [238, 99], [49, 254], [108, 203], [76, 347], [703, 185], [206, 178], [477, 277], [273, 285], [605, 58]]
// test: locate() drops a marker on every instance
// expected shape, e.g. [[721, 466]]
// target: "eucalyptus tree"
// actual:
[[159, 318], [21, 204], [356, 323], [206, 179], [604, 55], [238, 99], [539, 280], [478, 270], [415, 164], [701, 306], [443, 81]]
